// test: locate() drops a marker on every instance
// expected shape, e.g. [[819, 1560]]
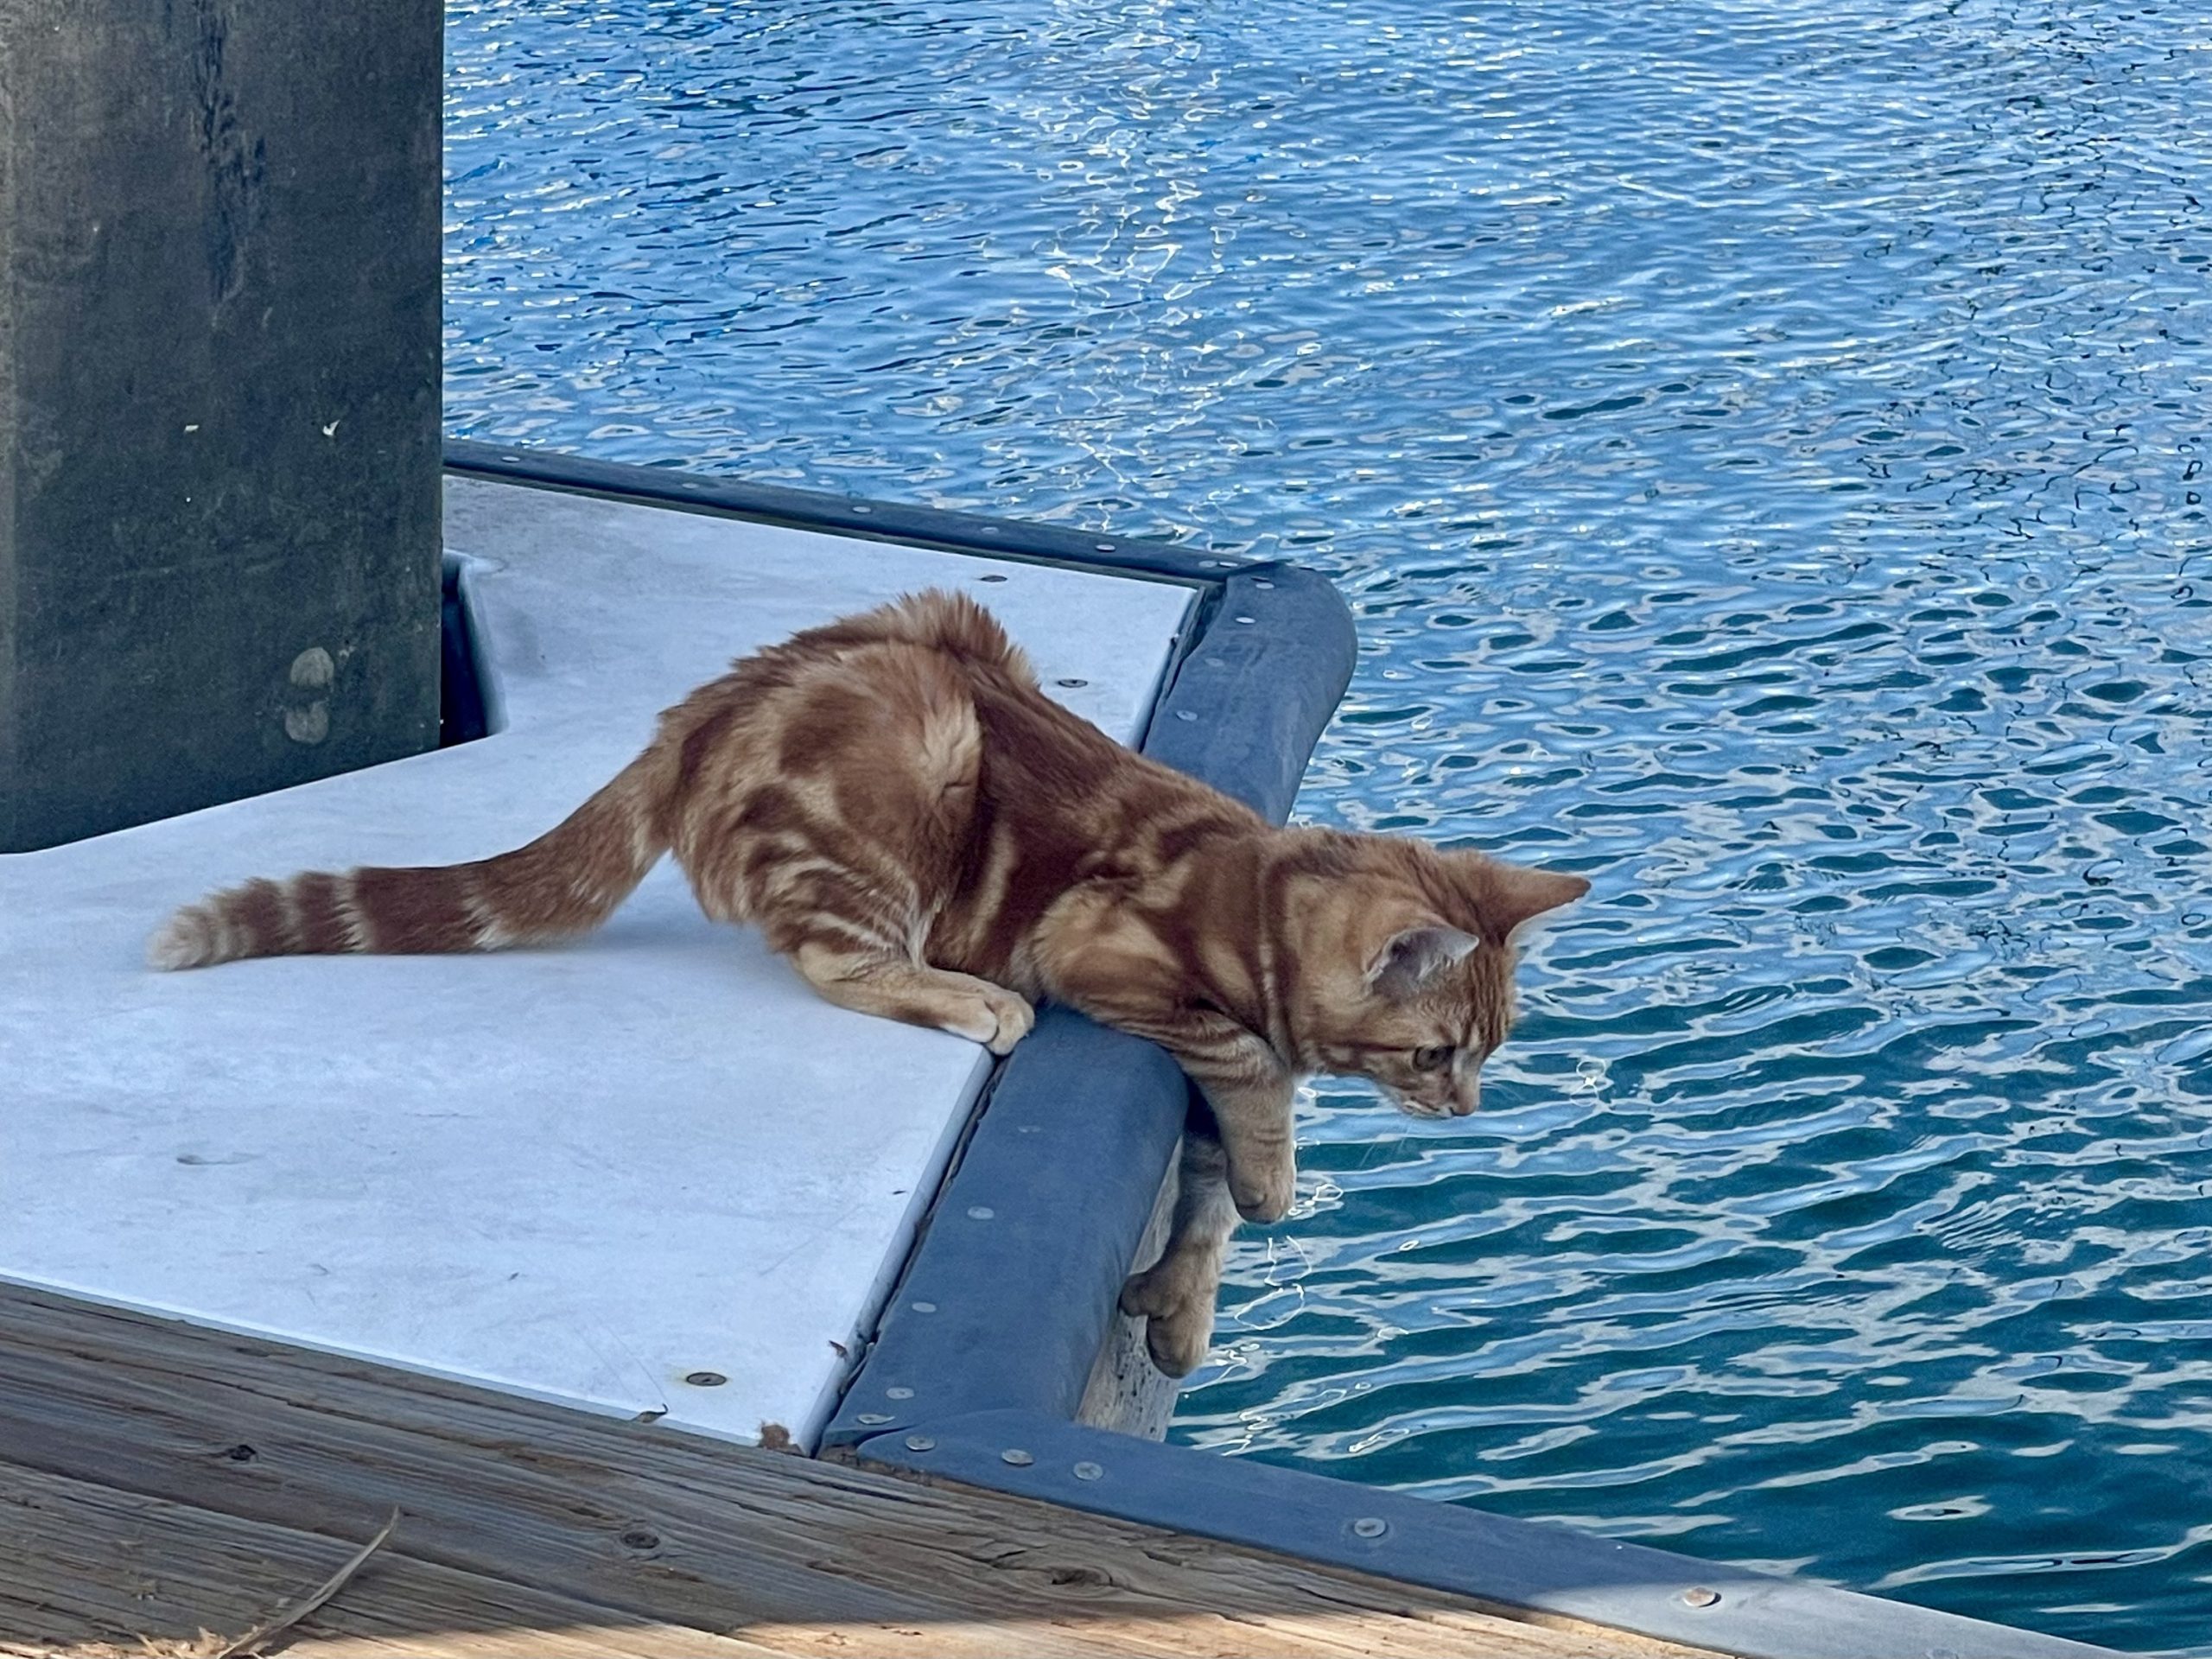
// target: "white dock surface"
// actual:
[[584, 1174]]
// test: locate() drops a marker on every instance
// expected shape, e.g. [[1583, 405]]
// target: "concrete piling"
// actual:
[[219, 401]]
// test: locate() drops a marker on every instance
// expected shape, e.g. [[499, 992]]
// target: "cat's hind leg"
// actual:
[[899, 988], [844, 828], [1175, 1296]]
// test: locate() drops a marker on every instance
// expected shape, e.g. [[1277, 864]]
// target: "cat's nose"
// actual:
[[1468, 1101]]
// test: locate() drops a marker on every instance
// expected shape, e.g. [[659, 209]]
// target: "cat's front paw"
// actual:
[[1177, 1315], [1263, 1194]]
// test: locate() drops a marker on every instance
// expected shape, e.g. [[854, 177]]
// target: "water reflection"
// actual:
[[1765, 446]]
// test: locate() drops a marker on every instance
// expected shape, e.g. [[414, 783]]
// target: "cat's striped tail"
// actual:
[[567, 881]]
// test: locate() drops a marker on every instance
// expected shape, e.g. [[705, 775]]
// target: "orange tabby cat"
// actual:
[[903, 813]]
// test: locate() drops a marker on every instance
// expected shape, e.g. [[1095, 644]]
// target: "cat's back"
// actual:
[[936, 621], [930, 683], [1030, 742], [906, 661]]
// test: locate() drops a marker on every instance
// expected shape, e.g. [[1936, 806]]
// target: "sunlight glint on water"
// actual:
[[1765, 446]]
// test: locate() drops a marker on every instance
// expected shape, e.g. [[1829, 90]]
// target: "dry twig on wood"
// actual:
[[285, 1618]]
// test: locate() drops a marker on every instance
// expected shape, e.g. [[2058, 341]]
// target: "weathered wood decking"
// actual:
[[159, 1481]]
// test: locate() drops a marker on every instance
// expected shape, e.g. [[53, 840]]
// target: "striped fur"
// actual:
[[902, 812]]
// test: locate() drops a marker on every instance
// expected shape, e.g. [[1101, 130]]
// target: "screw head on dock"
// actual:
[[1017, 1457], [1369, 1526], [1698, 1596]]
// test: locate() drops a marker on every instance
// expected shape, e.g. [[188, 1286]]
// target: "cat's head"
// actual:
[[1406, 964]]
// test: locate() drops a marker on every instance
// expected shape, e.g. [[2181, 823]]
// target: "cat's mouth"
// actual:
[[1414, 1108]]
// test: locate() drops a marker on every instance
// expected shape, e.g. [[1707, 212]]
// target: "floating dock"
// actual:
[[670, 1309]]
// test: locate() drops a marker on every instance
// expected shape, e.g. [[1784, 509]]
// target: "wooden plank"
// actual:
[[87, 1570], [804, 1557], [91, 1573]]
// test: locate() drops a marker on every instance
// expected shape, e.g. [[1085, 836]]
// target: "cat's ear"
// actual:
[[1512, 896], [1410, 960]]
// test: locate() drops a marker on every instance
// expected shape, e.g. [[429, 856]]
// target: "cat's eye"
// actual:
[[1432, 1059]]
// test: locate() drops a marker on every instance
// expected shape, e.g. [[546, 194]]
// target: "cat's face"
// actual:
[[1438, 1006], [1417, 960]]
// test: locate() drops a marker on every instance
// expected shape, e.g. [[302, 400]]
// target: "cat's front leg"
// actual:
[[1250, 1091], [1255, 1137], [1238, 1071]]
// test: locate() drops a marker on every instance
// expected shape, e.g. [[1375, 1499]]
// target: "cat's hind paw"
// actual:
[[990, 1015], [1015, 1017], [1179, 1321]]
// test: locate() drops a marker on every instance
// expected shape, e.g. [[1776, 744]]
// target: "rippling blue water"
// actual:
[[1765, 445]]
